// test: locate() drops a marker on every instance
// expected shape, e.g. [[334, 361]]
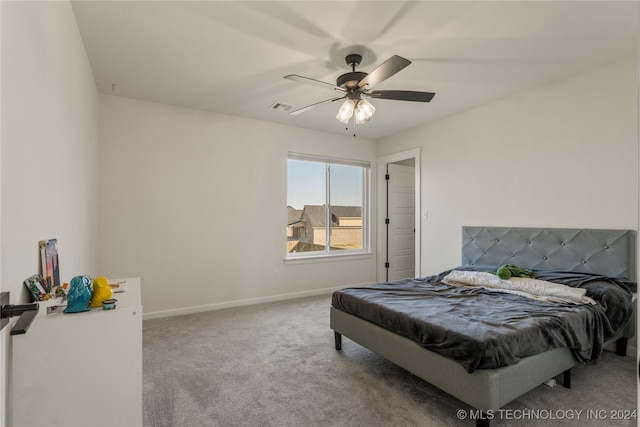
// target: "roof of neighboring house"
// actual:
[[315, 214], [295, 215], [297, 246]]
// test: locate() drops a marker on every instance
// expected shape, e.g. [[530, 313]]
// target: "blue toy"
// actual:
[[79, 295]]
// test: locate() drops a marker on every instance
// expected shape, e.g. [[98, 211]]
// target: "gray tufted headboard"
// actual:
[[607, 252]]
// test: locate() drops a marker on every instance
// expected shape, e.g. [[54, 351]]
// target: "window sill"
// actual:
[[305, 259]]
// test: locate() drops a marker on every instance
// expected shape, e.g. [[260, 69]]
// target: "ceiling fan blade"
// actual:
[[384, 71], [402, 95], [307, 80], [312, 106]]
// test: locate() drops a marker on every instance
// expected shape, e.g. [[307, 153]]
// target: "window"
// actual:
[[327, 206]]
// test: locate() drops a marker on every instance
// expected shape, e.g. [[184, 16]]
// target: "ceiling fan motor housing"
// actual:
[[350, 80]]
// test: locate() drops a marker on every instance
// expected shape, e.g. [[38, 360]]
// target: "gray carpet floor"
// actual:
[[275, 365]]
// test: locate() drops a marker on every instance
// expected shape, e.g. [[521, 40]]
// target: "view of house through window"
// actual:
[[326, 205]]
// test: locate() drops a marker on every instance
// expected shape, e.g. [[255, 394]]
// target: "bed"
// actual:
[[581, 252]]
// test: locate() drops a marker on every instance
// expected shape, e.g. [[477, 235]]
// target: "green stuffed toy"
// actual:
[[508, 270]]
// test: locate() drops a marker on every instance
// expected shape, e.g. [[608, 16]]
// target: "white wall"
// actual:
[[48, 147], [562, 155], [195, 203], [188, 200]]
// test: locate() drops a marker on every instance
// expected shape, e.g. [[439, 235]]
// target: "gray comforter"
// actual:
[[482, 329]]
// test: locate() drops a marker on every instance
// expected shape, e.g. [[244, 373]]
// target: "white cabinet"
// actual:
[[80, 369]]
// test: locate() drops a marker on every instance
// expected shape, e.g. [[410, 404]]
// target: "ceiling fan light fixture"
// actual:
[[364, 110], [361, 118], [346, 111]]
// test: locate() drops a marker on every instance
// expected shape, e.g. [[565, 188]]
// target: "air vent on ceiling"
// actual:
[[281, 107]]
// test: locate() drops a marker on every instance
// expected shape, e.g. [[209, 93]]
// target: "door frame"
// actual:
[[381, 170]]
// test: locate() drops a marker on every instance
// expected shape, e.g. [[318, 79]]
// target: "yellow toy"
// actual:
[[101, 292]]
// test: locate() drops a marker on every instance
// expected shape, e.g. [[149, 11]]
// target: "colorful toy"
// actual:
[[509, 270], [79, 295], [101, 292]]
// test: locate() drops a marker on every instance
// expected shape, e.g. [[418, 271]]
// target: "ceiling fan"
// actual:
[[356, 85]]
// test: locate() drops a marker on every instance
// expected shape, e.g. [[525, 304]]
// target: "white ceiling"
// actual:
[[230, 56]]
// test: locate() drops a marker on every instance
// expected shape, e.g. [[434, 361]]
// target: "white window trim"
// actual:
[[305, 258], [328, 159], [365, 252]]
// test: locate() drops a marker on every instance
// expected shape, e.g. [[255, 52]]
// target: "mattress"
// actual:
[[483, 329]]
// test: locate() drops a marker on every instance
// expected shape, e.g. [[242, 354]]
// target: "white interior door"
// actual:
[[401, 228]]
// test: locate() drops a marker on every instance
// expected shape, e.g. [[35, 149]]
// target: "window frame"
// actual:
[[327, 254]]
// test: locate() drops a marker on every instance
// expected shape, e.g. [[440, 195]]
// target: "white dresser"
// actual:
[[80, 369]]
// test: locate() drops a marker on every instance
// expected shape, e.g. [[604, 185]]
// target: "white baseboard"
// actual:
[[240, 303], [632, 352], [631, 348]]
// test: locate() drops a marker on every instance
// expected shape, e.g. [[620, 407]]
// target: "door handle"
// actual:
[[27, 313]]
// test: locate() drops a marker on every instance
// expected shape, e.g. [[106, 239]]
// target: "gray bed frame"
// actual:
[[608, 252]]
